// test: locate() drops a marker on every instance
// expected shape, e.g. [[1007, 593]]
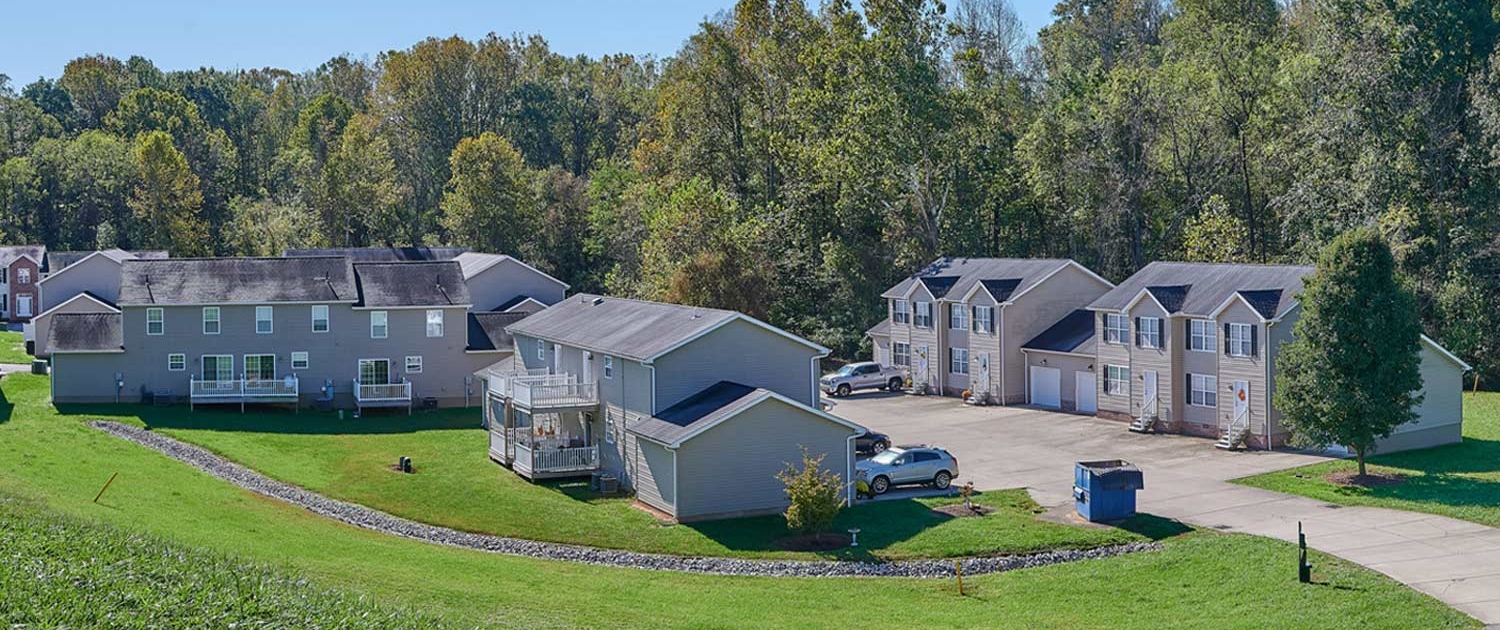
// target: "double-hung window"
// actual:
[[1203, 390], [1149, 335], [176, 362], [23, 276], [260, 366], [1241, 341], [155, 321], [263, 324], [320, 318], [957, 317], [609, 366], [1116, 328], [958, 360], [1116, 380], [1201, 336], [901, 312], [210, 320], [299, 360], [435, 322], [379, 325], [217, 367], [414, 364], [541, 350], [924, 315], [901, 354], [984, 318]]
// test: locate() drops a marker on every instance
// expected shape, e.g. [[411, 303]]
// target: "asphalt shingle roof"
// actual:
[[236, 280], [85, 332], [1073, 333], [711, 405], [437, 283], [1271, 289], [1009, 275], [58, 261], [9, 253], [382, 254], [487, 330], [634, 329], [883, 329]]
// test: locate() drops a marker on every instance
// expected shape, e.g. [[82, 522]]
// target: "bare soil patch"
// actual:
[[1351, 479], [959, 511], [823, 541]]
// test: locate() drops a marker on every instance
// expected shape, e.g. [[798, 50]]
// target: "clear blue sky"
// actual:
[[38, 36]]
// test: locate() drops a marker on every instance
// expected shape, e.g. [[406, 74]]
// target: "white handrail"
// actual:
[[541, 393], [243, 387], [382, 392]]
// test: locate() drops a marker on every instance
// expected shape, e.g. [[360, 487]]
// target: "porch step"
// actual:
[[1231, 439]]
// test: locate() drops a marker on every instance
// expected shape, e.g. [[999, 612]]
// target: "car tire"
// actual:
[[842, 390], [895, 384], [942, 480], [878, 447], [880, 485]]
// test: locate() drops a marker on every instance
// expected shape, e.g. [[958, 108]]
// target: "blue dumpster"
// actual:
[[1105, 490]]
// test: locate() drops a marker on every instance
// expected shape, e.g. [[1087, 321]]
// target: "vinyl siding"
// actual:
[[96, 274], [1110, 354], [90, 378], [1159, 360], [1250, 369], [931, 338], [653, 466], [1278, 333], [1069, 366], [730, 469], [955, 339], [1439, 415], [1047, 302], [505, 280], [982, 342], [1196, 362], [741, 352]]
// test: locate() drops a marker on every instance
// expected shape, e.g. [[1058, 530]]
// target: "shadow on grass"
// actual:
[[1153, 527], [6, 408], [1473, 455], [268, 419]]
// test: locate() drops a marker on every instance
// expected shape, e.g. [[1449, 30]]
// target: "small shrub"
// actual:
[[816, 494]]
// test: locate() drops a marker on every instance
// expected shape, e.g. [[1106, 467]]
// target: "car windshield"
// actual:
[[885, 458], [845, 371]]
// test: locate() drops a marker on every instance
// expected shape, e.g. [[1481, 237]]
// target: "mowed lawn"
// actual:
[[456, 485], [13, 348], [1458, 480], [1200, 580]]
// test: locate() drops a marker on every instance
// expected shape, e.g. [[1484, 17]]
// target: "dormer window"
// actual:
[[924, 315], [984, 318], [957, 317], [1148, 332], [901, 312]]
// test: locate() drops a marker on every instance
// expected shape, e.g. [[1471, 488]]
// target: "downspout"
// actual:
[[940, 334], [1003, 399], [1269, 385], [848, 470]]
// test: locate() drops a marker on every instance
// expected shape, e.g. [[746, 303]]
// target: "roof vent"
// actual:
[[598, 301]]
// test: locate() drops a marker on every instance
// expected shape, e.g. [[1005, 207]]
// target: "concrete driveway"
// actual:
[[1187, 479]]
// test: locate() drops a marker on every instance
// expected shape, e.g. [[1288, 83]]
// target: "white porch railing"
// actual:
[[237, 388], [393, 392], [555, 460], [545, 394], [501, 383]]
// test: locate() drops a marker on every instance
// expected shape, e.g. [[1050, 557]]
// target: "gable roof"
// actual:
[[87, 296], [58, 262], [711, 406], [82, 333], [1200, 288], [394, 284], [487, 331], [10, 253], [1009, 276], [475, 263], [381, 254], [189, 281], [633, 329], [517, 301], [882, 329], [1073, 334]]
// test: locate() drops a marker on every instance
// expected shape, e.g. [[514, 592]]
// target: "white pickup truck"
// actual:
[[863, 375]]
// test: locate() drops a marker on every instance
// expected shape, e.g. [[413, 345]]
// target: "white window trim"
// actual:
[[270, 320], [327, 323], [204, 375], [161, 319], [1153, 339], [1198, 396], [955, 364], [609, 366], [918, 318], [218, 320], [609, 429], [958, 317], [245, 363], [541, 350], [898, 358], [385, 324], [408, 364], [1122, 331], [1124, 380], [1210, 338], [1236, 340], [430, 322], [23, 276], [179, 356], [306, 360], [988, 319], [901, 312]]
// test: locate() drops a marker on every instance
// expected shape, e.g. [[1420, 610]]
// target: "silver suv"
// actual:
[[901, 465], [862, 375]]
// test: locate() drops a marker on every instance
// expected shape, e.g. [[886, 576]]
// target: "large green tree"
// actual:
[[1350, 375], [166, 200], [489, 203]]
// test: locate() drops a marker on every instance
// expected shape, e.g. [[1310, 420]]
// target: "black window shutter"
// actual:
[[1137, 331], [1226, 338], [1254, 343]]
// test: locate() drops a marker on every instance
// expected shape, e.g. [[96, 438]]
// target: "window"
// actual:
[[1201, 336], [924, 315], [299, 361], [260, 366], [1149, 333], [155, 321], [1117, 380], [901, 354], [958, 360], [984, 318], [1116, 328], [901, 312], [1241, 340], [435, 322], [23, 276], [217, 367], [210, 320], [374, 372], [609, 430], [957, 317], [320, 318], [414, 365], [609, 367], [176, 362], [541, 350], [263, 320], [378, 327], [1203, 391]]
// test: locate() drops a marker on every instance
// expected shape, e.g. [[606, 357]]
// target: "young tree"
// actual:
[[166, 199], [1350, 376], [816, 494]]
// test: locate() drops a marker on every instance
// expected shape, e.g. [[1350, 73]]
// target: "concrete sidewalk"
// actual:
[[1187, 479]]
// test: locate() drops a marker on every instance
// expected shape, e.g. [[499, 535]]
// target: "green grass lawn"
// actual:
[[1200, 580], [1459, 480], [457, 486], [13, 348]]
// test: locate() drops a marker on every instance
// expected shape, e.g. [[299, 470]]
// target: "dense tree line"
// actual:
[[792, 161]]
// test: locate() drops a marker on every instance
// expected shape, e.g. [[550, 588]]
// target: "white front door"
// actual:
[[1083, 386], [1149, 380], [1241, 400], [984, 374], [1046, 387], [23, 306]]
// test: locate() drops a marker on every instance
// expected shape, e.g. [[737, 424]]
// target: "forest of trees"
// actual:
[[793, 161]]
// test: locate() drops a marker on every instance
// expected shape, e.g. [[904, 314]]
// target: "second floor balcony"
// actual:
[[536, 390]]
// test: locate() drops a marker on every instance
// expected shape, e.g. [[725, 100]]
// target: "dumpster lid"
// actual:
[[1106, 466], [1115, 474]]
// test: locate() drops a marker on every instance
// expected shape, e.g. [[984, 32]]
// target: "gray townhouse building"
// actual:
[[296, 330], [694, 409]]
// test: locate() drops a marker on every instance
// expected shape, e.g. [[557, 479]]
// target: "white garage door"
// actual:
[[1088, 397], [1046, 387]]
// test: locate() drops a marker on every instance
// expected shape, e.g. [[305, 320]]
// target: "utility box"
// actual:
[[1105, 490]]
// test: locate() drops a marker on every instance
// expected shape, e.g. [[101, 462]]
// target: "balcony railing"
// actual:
[[243, 388], [382, 393], [555, 460], [503, 384], [552, 394]]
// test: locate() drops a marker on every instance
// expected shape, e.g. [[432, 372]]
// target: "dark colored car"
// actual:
[[872, 442]]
